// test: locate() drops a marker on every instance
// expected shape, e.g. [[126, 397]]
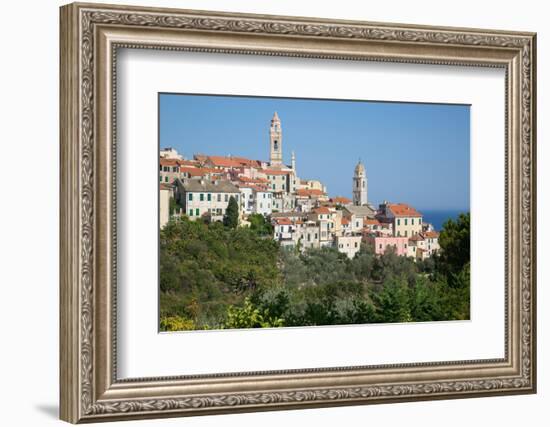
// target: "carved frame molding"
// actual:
[[90, 36]]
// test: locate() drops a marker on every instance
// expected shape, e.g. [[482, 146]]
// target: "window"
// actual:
[[219, 197], [190, 196], [202, 197], [398, 234], [283, 186], [357, 224], [405, 221], [190, 212], [412, 221], [226, 198], [209, 197], [274, 186], [261, 205], [380, 246], [355, 244], [275, 145], [165, 179], [316, 236], [197, 212], [398, 222], [405, 233], [160, 178]]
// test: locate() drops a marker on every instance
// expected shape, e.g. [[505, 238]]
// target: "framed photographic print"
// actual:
[[264, 212]]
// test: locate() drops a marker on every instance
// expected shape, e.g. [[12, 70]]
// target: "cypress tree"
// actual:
[[231, 217]]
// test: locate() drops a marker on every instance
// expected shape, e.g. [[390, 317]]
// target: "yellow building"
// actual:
[[406, 220]]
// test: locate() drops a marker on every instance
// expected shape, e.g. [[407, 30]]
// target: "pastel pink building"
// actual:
[[382, 243]]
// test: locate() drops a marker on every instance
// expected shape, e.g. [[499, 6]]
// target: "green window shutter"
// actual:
[[190, 196], [209, 197], [197, 212], [190, 212]]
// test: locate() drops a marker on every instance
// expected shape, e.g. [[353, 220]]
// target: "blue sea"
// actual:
[[438, 217]]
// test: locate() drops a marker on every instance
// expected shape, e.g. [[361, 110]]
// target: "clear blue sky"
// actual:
[[413, 153]]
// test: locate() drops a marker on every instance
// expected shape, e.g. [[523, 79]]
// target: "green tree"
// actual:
[[231, 217], [454, 240], [249, 316], [260, 225], [427, 301], [392, 301]]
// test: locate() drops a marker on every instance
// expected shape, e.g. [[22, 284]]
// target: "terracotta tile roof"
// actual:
[[169, 162], [372, 222], [416, 238], [321, 210], [252, 180], [193, 171], [345, 221], [247, 162], [224, 162], [252, 186], [283, 221], [341, 200], [302, 192], [275, 172], [431, 234], [190, 163], [165, 187], [403, 210]]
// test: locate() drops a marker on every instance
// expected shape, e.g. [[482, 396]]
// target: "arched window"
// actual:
[[275, 145]]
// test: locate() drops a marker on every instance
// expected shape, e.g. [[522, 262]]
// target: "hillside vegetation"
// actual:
[[216, 276]]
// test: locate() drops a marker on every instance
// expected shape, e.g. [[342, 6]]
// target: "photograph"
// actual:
[[289, 212]]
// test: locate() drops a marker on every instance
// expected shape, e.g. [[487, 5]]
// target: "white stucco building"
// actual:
[[201, 197], [349, 244]]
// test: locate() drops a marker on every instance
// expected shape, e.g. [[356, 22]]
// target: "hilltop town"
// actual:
[[300, 210]]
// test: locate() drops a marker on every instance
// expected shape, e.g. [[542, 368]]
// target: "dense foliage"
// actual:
[[219, 276]]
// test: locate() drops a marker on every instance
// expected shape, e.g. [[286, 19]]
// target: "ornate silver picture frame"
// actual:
[[91, 34]]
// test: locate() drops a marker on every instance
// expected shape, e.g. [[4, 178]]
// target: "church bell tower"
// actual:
[[275, 141], [359, 189]]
